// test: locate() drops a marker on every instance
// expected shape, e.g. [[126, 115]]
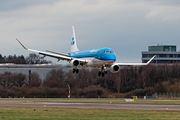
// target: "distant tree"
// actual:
[[35, 80], [175, 88], [55, 78], [19, 60], [83, 78], [22, 57], [5, 79], [92, 92], [118, 82], [14, 56], [19, 79], [35, 59]]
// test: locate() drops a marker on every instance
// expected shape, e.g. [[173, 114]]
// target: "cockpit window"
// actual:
[[107, 51], [112, 52]]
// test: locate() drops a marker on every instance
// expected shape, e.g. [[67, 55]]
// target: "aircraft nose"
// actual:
[[112, 57]]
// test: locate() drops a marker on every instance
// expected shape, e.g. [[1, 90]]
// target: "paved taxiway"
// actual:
[[56, 104]]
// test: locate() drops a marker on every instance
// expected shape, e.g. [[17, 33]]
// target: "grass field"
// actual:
[[22, 113], [19, 113]]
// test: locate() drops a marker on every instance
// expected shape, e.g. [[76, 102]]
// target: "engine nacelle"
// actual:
[[114, 68], [74, 63]]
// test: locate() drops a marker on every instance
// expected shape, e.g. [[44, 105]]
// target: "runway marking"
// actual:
[[63, 103], [56, 103]]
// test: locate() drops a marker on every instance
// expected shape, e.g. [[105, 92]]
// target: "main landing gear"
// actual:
[[103, 71], [75, 70]]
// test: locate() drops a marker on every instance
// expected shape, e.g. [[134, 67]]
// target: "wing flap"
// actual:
[[57, 53], [59, 57]]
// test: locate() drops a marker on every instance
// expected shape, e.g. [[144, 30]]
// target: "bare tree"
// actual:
[[35, 80], [54, 78], [6, 79], [33, 59], [19, 79]]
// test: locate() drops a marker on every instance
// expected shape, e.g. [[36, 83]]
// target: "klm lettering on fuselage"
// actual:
[[72, 43]]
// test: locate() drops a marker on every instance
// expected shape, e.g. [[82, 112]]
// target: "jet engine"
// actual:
[[74, 63], [114, 68]]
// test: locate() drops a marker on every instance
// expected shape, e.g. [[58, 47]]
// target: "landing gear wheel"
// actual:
[[77, 71], [102, 74], [99, 73], [74, 70]]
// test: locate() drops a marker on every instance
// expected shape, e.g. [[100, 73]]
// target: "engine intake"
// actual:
[[74, 63], [114, 68]]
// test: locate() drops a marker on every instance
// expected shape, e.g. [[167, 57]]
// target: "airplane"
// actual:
[[102, 58]]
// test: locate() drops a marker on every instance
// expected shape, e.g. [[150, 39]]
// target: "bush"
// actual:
[[139, 92], [174, 88], [92, 92]]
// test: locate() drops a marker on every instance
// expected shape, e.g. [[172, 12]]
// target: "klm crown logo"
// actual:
[[72, 43]]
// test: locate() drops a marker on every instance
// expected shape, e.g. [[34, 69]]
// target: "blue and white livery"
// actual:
[[102, 58]]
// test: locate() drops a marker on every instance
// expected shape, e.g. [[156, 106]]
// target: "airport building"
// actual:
[[164, 54]]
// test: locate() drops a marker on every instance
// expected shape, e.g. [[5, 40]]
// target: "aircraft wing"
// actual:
[[136, 64], [52, 54]]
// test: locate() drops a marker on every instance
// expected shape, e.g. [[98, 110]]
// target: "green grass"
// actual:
[[19, 113]]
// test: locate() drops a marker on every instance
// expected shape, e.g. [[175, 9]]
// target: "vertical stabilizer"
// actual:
[[73, 41]]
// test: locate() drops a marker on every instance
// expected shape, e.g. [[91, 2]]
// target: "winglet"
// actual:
[[21, 44], [151, 59]]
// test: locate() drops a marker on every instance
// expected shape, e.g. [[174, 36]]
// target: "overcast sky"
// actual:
[[126, 26]]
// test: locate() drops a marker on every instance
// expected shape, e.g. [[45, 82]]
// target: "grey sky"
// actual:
[[126, 26]]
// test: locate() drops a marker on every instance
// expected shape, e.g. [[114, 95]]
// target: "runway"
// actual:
[[57, 104]]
